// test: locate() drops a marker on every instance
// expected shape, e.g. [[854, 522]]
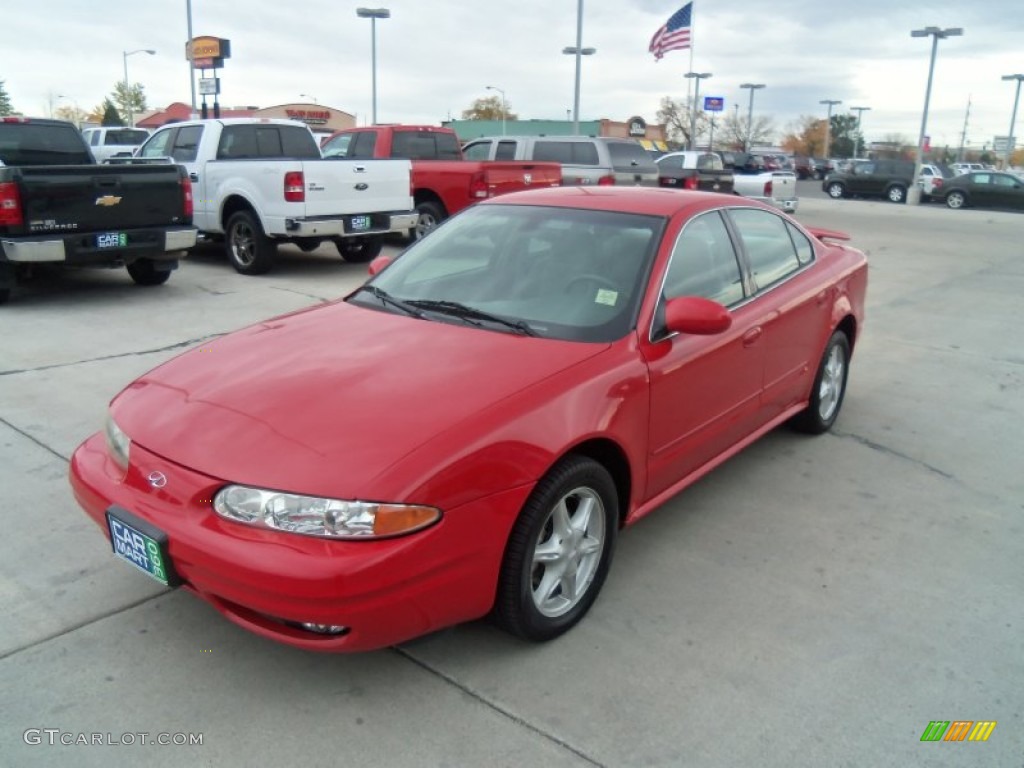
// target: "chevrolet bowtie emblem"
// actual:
[[108, 200]]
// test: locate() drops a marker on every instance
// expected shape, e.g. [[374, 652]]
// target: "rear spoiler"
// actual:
[[827, 234]]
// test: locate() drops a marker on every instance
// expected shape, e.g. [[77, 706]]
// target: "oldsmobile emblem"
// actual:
[[108, 200], [157, 479]]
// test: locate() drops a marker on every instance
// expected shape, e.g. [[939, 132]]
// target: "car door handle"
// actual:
[[193, 177], [751, 336]]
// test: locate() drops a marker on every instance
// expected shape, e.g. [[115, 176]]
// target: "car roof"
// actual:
[[650, 201]]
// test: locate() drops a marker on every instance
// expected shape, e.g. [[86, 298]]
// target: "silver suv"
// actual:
[[584, 159]]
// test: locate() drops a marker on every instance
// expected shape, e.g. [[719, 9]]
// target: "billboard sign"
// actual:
[[714, 103]]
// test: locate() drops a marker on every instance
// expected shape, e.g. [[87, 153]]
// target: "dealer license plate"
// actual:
[[112, 240], [141, 544], [360, 223]]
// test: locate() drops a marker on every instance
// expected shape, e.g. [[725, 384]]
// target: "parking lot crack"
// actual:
[[35, 440], [300, 293], [140, 353], [562, 743], [893, 452]]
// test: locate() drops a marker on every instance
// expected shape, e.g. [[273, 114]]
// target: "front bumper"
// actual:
[[80, 249], [269, 582], [334, 226]]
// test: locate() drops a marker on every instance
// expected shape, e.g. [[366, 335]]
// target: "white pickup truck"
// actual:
[[777, 188], [260, 182]]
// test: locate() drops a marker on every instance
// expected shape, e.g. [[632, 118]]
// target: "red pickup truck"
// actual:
[[443, 182]]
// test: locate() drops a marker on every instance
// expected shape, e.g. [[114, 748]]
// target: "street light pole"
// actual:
[[127, 93], [578, 51], [504, 109], [1013, 120], [307, 96], [914, 193], [856, 139], [698, 76], [373, 14], [828, 127], [750, 113]]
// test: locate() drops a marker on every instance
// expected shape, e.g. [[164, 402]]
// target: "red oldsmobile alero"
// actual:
[[465, 434]]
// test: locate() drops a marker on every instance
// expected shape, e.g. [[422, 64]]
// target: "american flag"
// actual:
[[675, 35]]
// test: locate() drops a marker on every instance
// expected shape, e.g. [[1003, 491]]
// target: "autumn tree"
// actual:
[[74, 114], [806, 137], [128, 98], [110, 114], [5, 101], [488, 108]]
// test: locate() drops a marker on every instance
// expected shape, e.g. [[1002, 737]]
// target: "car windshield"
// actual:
[[561, 273]]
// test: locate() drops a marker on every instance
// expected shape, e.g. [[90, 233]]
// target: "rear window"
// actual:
[[630, 156], [42, 144], [567, 152], [240, 142], [126, 136], [425, 145]]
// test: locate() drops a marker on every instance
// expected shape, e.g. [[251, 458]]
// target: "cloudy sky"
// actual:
[[435, 57]]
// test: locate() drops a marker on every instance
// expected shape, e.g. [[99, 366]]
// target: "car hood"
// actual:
[[324, 401]]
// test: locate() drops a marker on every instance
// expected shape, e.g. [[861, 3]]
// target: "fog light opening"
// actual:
[[324, 629]]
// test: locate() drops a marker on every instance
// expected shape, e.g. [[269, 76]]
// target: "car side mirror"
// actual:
[[696, 315], [378, 264]]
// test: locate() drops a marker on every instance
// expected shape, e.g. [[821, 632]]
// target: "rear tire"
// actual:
[[431, 214], [829, 388], [249, 250], [956, 200], [359, 250], [144, 272], [559, 551]]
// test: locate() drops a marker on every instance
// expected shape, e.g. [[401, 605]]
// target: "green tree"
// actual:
[[488, 108], [844, 136], [110, 114], [5, 101], [130, 98]]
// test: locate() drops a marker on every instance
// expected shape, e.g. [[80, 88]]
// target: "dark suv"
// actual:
[[871, 178]]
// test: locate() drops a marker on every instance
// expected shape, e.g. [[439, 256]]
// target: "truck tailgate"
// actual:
[[502, 176], [343, 186], [783, 185], [62, 198]]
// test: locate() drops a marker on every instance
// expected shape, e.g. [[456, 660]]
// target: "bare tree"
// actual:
[[734, 130]]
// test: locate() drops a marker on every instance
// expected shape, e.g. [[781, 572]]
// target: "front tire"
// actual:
[[359, 250], [956, 200], [559, 552], [836, 190], [144, 272], [897, 194], [249, 250], [829, 387]]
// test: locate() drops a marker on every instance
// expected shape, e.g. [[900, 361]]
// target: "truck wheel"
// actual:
[[431, 214], [249, 250], [144, 272], [359, 250]]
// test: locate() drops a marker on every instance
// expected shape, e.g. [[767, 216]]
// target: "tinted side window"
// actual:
[[585, 153], [298, 143], [478, 150], [447, 146], [125, 136], [186, 143], [553, 151], [363, 146], [704, 263], [425, 145], [506, 151], [237, 142], [268, 141], [629, 156], [767, 242]]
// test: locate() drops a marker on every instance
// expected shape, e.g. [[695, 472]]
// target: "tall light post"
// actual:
[[828, 127], [307, 96], [127, 92], [856, 139], [373, 14], [750, 112], [1013, 120], [578, 51], [698, 76], [504, 109], [914, 193]]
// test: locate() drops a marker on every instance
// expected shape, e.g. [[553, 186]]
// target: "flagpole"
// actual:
[[689, 81]]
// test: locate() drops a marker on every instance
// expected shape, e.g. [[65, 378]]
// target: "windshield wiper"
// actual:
[[386, 298], [464, 312]]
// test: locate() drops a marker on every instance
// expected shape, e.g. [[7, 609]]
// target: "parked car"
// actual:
[[984, 189], [931, 181], [466, 433], [585, 160], [822, 167], [871, 178], [804, 167], [107, 142], [59, 207], [694, 170], [444, 181], [959, 168], [776, 188]]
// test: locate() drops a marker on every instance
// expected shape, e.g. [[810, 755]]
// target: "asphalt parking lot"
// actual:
[[812, 602]]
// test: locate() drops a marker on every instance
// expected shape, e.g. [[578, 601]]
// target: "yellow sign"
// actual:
[[208, 48]]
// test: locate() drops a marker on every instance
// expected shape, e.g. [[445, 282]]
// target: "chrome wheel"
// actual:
[[243, 243], [955, 200], [568, 552], [835, 191], [833, 379]]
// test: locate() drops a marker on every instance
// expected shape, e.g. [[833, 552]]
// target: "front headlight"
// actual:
[[118, 443], [315, 516]]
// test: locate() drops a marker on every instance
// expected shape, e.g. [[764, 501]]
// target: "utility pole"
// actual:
[[963, 134]]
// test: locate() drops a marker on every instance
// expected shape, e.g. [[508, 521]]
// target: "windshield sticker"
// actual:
[[604, 296]]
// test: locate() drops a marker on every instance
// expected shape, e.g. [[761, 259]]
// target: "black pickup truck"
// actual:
[[701, 171], [58, 206]]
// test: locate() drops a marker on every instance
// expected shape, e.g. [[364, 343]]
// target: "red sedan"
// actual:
[[466, 433]]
